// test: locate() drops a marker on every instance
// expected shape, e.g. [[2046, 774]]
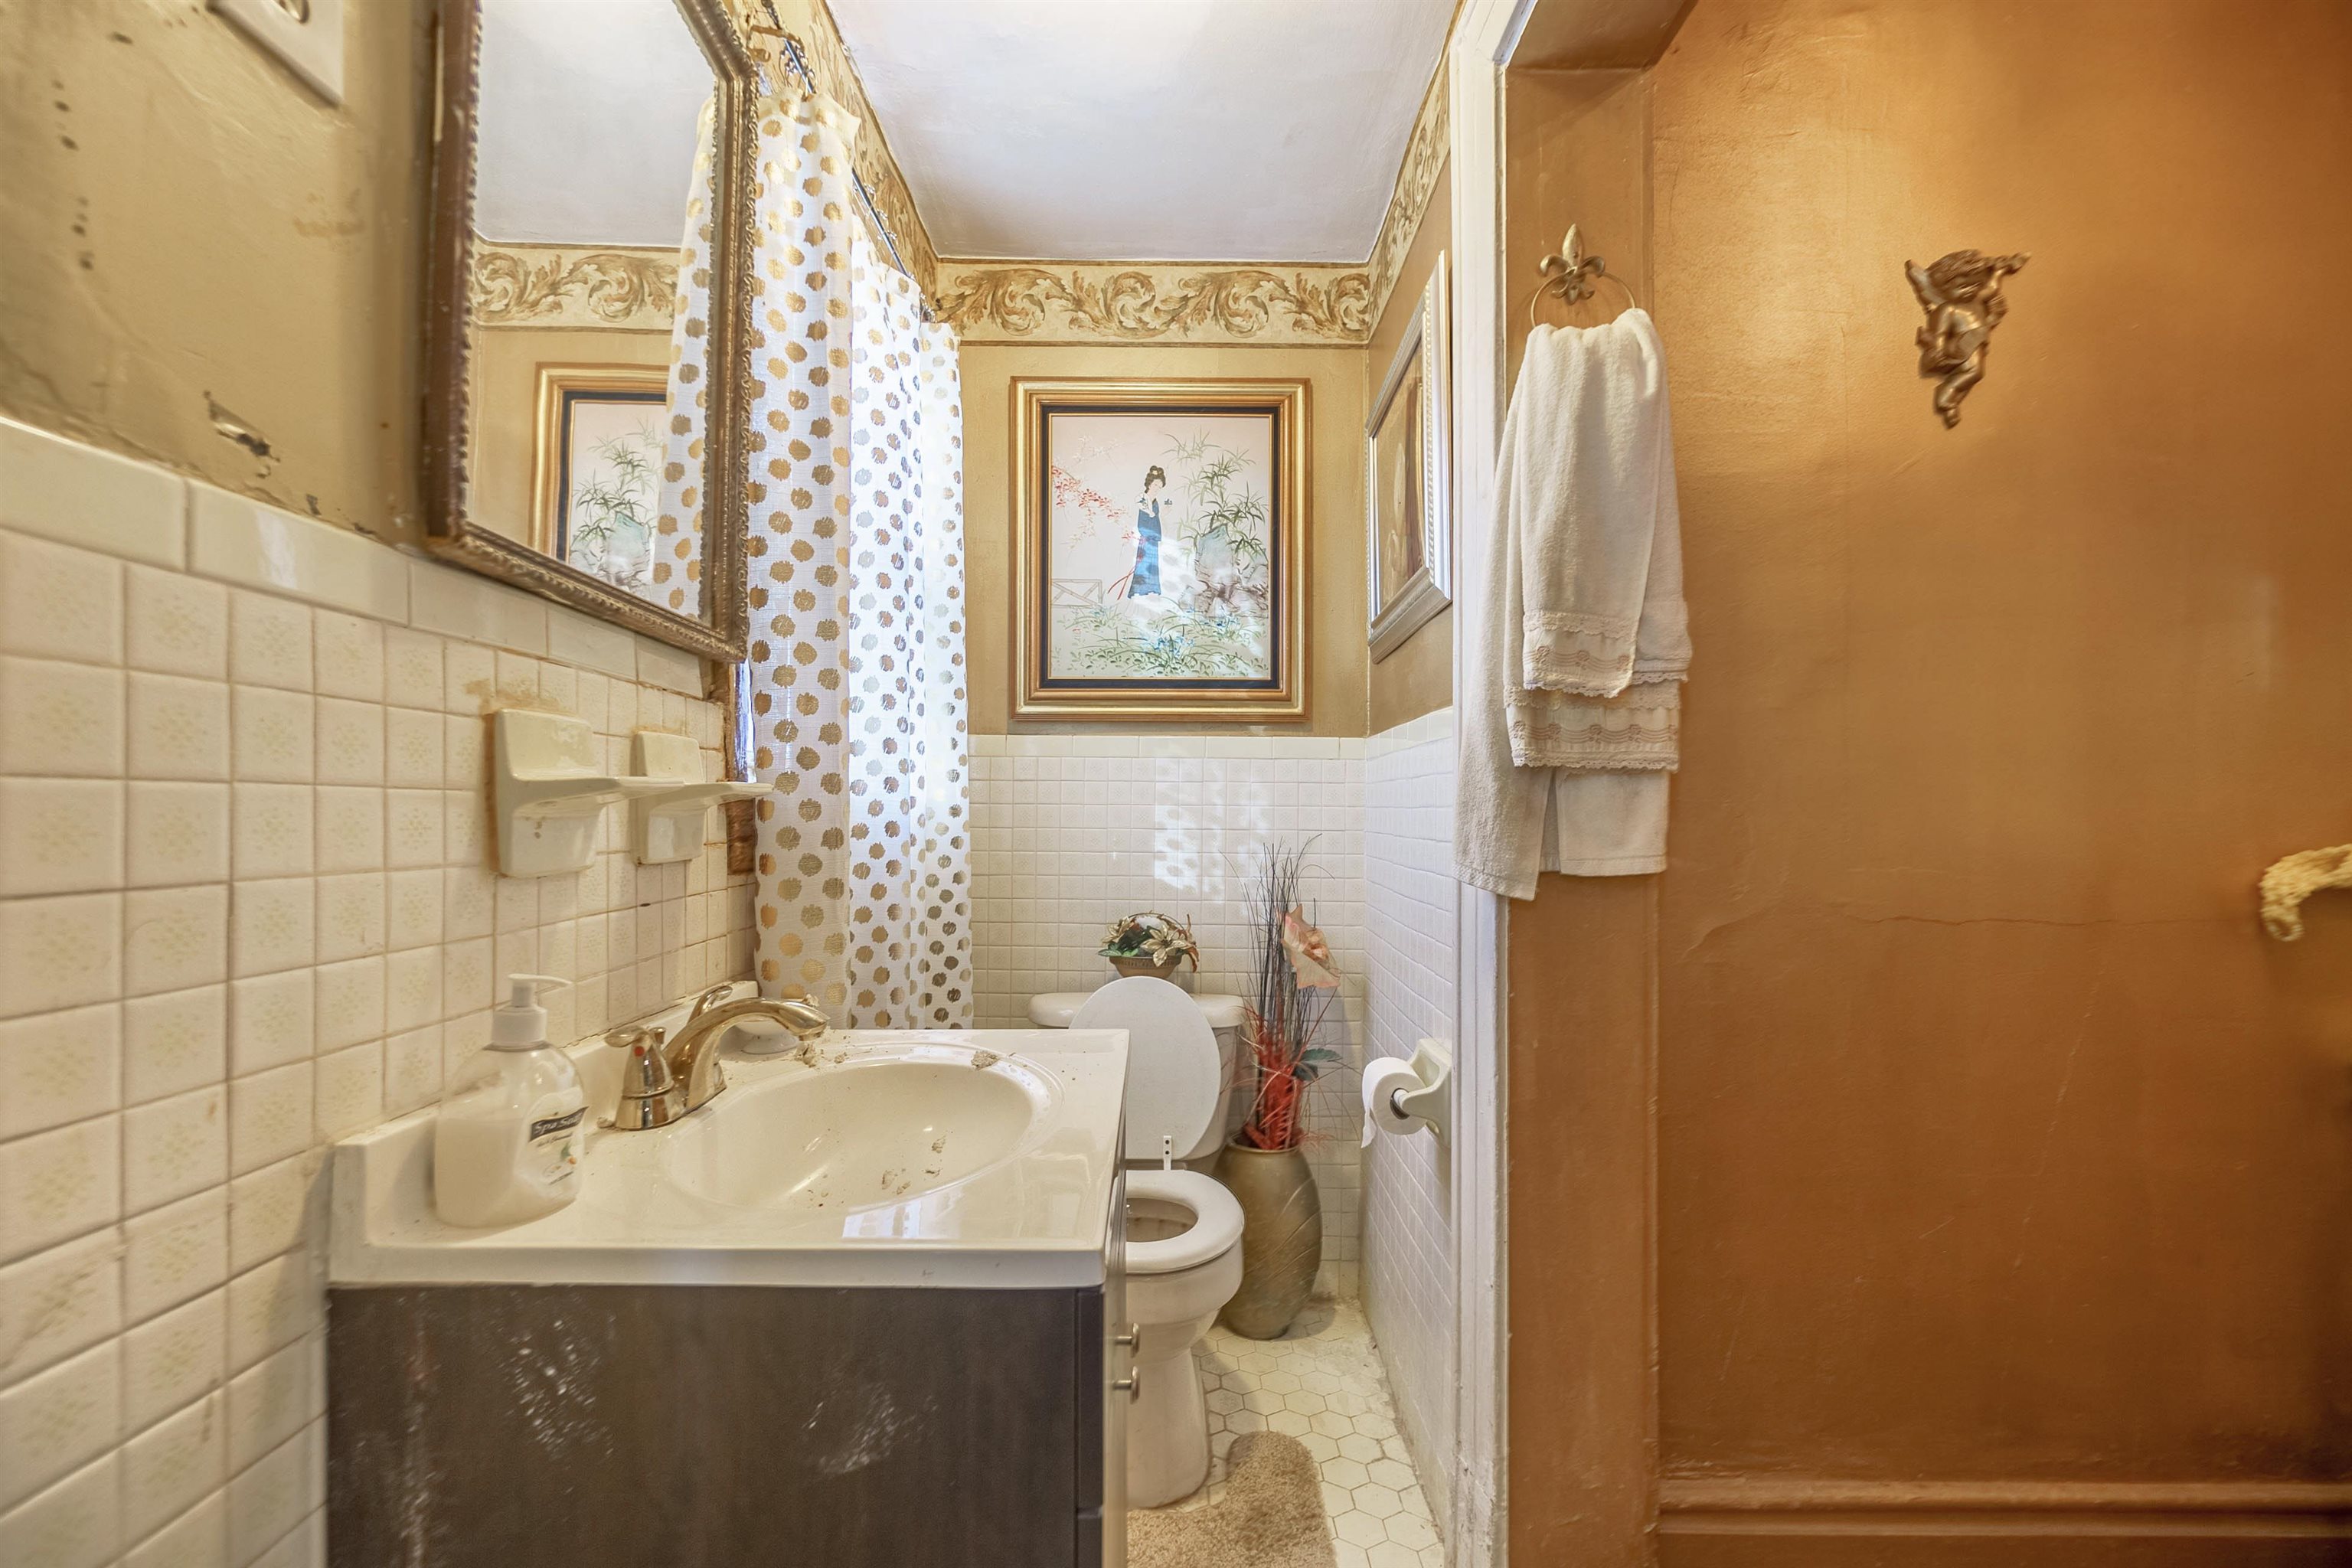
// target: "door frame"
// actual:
[[1485, 34]]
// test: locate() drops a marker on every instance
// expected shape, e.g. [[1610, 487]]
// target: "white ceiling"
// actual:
[[587, 121], [1148, 130]]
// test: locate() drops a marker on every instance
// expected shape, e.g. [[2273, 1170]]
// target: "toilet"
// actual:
[[1183, 1229]]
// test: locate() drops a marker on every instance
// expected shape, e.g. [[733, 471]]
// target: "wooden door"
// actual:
[[1938, 1165]]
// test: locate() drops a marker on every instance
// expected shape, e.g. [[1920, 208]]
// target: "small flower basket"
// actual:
[[1154, 944]]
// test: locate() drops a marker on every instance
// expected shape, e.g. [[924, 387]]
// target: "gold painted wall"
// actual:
[[185, 226], [505, 406], [1418, 677], [1941, 1126], [1335, 615]]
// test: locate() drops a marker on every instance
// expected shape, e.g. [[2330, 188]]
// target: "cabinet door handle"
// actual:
[[1132, 1382], [1126, 1338]]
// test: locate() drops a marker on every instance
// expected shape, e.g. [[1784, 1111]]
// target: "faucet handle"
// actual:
[[711, 998], [648, 1071], [649, 1096]]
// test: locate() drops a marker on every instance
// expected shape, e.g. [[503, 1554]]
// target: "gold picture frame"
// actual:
[[1408, 483], [1161, 550]]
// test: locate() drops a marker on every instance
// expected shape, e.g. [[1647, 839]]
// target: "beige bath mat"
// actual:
[[1270, 1515]]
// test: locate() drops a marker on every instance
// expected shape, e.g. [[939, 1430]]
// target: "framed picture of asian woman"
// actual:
[[1407, 492], [1159, 557]]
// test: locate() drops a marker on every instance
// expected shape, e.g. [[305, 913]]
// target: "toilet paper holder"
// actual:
[[1425, 1095]]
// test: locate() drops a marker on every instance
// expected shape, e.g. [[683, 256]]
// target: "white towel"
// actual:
[[1592, 512], [1574, 703]]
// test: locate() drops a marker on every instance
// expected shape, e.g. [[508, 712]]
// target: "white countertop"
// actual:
[[1036, 1216]]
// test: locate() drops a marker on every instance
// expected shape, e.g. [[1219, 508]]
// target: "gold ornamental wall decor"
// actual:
[[1139, 302], [1961, 294]]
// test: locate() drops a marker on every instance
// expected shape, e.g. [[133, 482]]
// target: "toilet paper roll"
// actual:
[[1381, 1081]]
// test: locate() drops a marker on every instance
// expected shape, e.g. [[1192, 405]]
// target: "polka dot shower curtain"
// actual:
[[857, 597]]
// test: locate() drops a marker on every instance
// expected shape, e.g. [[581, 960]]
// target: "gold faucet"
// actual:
[[692, 1058]]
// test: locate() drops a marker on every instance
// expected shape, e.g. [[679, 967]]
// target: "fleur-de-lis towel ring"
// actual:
[[1569, 276], [1961, 294]]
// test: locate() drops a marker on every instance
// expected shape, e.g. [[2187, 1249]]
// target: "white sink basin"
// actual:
[[933, 1157], [875, 1127]]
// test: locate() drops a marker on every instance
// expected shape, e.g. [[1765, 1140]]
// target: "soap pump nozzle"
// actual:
[[520, 1024]]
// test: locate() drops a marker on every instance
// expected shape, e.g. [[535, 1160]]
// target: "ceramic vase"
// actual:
[[1282, 1237]]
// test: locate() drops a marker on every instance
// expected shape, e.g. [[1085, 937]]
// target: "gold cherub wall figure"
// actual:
[[1961, 294]]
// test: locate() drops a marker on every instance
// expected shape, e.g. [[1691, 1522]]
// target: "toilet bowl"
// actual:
[[1183, 1234], [1183, 1264]]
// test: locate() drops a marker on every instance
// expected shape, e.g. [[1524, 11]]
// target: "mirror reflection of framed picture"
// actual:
[[1407, 493], [597, 473]]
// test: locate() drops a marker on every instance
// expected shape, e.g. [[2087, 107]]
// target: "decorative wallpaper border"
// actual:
[[559, 286], [1114, 302], [1425, 153]]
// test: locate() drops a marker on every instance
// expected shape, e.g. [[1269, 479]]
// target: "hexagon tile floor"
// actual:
[[1322, 1383]]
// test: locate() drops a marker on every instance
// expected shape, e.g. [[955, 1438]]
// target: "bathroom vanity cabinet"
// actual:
[[747, 1345], [725, 1426]]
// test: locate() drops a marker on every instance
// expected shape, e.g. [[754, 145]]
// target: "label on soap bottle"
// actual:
[[551, 1146]]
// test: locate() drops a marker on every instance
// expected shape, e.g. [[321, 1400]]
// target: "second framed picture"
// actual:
[[1407, 484], [1161, 550]]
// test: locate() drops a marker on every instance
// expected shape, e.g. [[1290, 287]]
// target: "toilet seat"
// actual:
[[1216, 1221]]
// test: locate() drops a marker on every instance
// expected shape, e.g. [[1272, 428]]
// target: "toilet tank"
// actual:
[[1055, 1009]]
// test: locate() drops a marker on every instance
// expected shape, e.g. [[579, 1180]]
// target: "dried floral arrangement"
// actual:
[[1161, 940], [1296, 992]]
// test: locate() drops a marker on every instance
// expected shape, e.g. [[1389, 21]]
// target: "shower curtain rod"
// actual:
[[799, 62]]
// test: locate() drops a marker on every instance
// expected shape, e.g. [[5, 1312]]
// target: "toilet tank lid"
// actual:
[[1055, 1009]]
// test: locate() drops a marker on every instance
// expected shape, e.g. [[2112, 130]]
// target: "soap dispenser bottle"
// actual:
[[506, 1144]]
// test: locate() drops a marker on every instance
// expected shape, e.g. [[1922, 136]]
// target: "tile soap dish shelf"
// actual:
[[549, 791], [666, 822]]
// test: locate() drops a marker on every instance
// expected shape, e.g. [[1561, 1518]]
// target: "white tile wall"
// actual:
[[1408, 1278], [245, 908], [1070, 832]]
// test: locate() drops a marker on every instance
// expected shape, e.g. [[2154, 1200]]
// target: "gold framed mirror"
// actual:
[[588, 309]]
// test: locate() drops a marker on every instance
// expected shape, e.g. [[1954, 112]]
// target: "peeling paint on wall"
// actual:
[[238, 433]]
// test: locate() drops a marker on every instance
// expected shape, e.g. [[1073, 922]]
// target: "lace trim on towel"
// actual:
[[1592, 655], [1639, 730]]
